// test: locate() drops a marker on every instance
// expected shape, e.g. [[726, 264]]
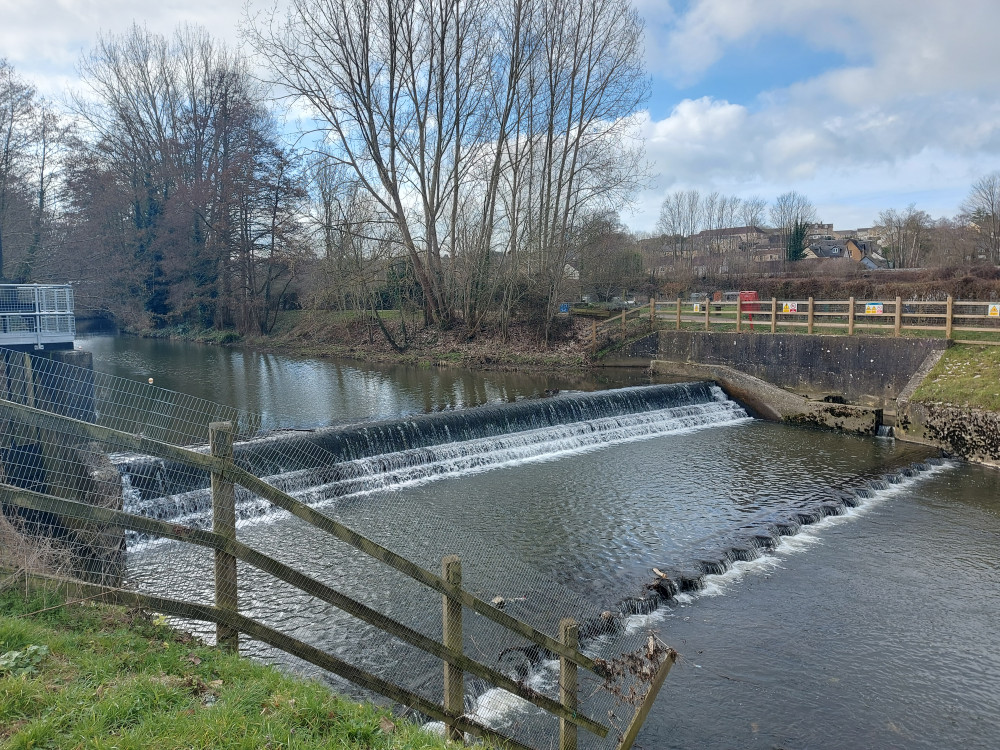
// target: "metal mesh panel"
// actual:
[[300, 573], [36, 314]]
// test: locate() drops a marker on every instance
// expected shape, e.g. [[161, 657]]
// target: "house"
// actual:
[[767, 254], [729, 238], [866, 253], [826, 248]]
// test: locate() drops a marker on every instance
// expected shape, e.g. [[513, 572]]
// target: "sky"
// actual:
[[861, 105]]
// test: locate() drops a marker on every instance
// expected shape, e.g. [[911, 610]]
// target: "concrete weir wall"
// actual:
[[867, 370], [776, 404]]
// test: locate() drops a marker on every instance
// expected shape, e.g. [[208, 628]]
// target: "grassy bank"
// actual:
[[93, 676], [967, 376]]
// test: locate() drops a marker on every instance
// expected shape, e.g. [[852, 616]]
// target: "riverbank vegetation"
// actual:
[[171, 192], [86, 675]]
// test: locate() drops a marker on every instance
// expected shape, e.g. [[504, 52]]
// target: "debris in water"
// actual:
[[641, 665], [499, 602]]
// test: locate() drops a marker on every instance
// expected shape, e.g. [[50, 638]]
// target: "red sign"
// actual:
[[749, 301]]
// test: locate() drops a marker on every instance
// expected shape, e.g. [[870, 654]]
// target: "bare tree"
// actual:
[[178, 127], [904, 235], [470, 122], [982, 211], [17, 136], [951, 242], [671, 221], [752, 211], [791, 214]]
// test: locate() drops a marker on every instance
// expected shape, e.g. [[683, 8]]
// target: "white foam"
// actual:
[[806, 537]]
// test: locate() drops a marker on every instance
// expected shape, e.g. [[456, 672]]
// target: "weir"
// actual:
[[379, 455], [581, 535]]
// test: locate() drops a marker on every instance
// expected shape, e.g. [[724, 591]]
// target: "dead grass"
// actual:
[[336, 334], [23, 553]]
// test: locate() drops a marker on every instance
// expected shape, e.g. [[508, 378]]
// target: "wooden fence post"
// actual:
[[898, 321], [811, 317], [678, 313], [948, 320], [708, 312], [850, 317], [224, 524], [593, 335], [652, 313], [454, 679], [624, 330], [569, 635], [739, 314], [774, 314]]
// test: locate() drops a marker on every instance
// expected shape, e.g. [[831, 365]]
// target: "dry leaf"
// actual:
[[194, 659], [387, 726]]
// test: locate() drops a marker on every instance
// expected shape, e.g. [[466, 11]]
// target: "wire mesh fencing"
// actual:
[[284, 547]]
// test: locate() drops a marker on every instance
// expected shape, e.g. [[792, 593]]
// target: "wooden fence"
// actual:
[[842, 317], [225, 475]]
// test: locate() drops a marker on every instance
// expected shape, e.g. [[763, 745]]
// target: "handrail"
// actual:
[[36, 313]]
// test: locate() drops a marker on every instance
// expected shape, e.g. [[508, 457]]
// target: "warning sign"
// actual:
[[873, 308], [994, 311], [789, 307], [697, 307]]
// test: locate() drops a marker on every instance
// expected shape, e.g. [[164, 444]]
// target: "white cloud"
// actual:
[[916, 115], [43, 39]]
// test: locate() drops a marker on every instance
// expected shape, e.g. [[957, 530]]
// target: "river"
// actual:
[[875, 628]]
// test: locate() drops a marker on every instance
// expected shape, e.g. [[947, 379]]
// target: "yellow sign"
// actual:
[[789, 307], [994, 311], [873, 309], [697, 307]]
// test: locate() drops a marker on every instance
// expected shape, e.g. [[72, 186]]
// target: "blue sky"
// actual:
[[861, 105]]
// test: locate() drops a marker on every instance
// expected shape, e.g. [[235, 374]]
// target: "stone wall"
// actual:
[[868, 370], [972, 434]]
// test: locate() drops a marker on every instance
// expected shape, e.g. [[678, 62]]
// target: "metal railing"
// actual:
[[36, 315]]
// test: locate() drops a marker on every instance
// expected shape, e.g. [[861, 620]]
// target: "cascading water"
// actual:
[[390, 455], [821, 618]]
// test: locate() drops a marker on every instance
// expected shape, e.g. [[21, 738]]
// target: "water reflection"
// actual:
[[304, 392]]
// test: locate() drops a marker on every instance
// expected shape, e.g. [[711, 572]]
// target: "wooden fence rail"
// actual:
[[229, 623], [844, 317]]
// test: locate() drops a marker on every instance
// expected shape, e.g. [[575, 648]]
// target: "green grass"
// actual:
[[114, 678], [966, 375]]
